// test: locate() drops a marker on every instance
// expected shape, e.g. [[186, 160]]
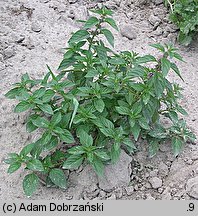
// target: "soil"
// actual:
[[32, 34]]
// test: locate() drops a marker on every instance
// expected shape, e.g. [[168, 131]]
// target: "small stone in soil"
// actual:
[[155, 182], [129, 32], [36, 27]]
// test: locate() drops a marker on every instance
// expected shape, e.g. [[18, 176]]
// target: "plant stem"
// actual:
[[95, 33]]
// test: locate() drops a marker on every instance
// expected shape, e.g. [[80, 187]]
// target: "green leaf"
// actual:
[[91, 73], [12, 158], [108, 132], [165, 66], [73, 162], [65, 84], [67, 137], [116, 61], [39, 93], [98, 166], [102, 53], [137, 71], [99, 105], [173, 116], [177, 145], [48, 95], [85, 139], [57, 176], [136, 131], [153, 148], [178, 56], [111, 22], [102, 155], [145, 59], [158, 132], [22, 106], [46, 108], [115, 152], [103, 122], [14, 167], [26, 150], [131, 121], [51, 144], [46, 137], [123, 110], [45, 79], [109, 36], [75, 104], [176, 69], [13, 93], [66, 63], [76, 150], [56, 118], [35, 165], [37, 149], [102, 11], [184, 39], [40, 122], [79, 36], [143, 123], [30, 184], [58, 130], [181, 110], [30, 127], [158, 46], [92, 21], [129, 144]]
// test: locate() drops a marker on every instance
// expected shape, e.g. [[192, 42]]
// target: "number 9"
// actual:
[[191, 206]]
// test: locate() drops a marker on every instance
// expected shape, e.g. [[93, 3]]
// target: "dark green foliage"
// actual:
[[184, 13], [100, 102]]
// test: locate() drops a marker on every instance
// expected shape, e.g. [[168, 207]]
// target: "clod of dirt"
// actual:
[[158, 31], [166, 195], [29, 43], [129, 32], [9, 52], [112, 5], [157, 2], [155, 182], [149, 197], [192, 187], [129, 190], [2, 66], [83, 182], [141, 2], [17, 38], [163, 169], [116, 175], [154, 20]]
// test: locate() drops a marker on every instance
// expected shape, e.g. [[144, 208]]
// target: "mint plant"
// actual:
[[100, 101], [184, 13]]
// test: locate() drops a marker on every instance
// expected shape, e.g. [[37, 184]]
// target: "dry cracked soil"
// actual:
[[32, 34]]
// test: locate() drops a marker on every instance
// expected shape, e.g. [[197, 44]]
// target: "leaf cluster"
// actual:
[[184, 13]]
